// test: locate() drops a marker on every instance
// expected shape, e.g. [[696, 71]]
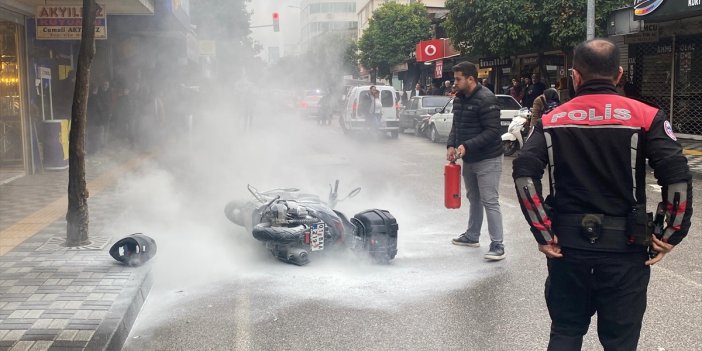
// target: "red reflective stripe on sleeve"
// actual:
[[682, 207], [527, 205]]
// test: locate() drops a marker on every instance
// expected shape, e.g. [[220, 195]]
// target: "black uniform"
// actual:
[[595, 147]]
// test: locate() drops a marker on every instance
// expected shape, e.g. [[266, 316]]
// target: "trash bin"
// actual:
[[56, 144]]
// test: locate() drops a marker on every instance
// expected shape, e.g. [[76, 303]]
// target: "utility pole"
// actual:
[[590, 19]]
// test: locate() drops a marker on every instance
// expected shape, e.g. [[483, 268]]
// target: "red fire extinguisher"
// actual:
[[452, 185]]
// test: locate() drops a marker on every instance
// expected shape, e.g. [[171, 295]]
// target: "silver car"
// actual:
[[440, 123]]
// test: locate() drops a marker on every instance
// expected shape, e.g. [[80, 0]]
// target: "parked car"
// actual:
[[309, 104], [509, 107], [418, 108], [440, 123], [357, 111]]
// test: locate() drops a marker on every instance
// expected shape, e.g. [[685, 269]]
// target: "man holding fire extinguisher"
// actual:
[[475, 138]]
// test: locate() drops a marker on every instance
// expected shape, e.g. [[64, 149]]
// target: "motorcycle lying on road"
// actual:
[[517, 132], [294, 225]]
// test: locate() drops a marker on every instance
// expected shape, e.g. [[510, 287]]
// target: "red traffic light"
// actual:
[[276, 22]]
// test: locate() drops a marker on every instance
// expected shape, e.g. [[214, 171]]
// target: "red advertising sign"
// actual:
[[439, 69], [430, 50]]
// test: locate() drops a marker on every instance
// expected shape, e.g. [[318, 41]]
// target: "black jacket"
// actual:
[[476, 125], [599, 142]]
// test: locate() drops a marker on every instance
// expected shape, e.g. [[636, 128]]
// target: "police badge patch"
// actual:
[[669, 130]]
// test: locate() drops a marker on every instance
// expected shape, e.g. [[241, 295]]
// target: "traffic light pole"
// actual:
[[590, 19]]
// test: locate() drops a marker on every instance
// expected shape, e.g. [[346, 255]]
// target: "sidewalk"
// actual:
[[53, 297], [693, 151]]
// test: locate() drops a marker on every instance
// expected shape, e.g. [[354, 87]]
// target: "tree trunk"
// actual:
[[77, 215]]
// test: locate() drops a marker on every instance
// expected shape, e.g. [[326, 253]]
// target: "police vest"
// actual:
[[597, 152]]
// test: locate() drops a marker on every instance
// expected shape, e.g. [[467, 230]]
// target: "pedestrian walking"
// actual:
[[593, 227], [376, 107], [446, 88], [533, 89], [418, 91], [475, 138], [516, 90], [544, 103]]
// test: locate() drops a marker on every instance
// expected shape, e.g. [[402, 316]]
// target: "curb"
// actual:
[[114, 330]]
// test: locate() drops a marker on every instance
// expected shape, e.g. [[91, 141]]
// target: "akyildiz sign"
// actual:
[[65, 22], [663, 10]]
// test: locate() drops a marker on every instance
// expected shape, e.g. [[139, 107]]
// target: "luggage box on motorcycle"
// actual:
[[378, 230]]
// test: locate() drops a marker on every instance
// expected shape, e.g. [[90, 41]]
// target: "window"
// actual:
[[435, 101], [387, 98], [314, 8], [413, 105], [508, 103], [449, 107]]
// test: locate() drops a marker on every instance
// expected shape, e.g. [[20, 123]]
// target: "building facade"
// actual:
[[319, 17], [365, 9]]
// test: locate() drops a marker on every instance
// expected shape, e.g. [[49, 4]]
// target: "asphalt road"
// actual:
[[217, 289]]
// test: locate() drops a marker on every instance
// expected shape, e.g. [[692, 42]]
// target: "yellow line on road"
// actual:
[[37, 221], [690, 152]]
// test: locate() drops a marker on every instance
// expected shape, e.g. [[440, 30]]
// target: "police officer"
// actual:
[[593, 227]]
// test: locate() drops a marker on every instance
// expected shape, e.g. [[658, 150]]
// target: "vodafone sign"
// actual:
[[430, 50]]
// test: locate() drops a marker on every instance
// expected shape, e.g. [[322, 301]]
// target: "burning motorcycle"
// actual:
[[294, 225]]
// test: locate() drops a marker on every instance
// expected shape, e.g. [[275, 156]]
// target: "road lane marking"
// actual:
[[26, 227]]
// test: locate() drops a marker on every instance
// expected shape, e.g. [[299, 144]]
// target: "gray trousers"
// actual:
[[482, 180]]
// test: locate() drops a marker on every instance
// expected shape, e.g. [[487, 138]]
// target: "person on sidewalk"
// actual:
[[475, 138], [544, 104], [593, 227]]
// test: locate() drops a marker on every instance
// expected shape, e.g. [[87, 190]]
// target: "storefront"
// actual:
[[497, 71], [662, 42], [35, 76], [15, 131], [665, 61]]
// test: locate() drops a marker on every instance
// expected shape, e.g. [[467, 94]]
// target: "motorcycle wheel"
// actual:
[[509, 147]]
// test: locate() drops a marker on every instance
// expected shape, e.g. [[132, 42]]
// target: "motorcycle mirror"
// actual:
[[287, 190], [354, 192]]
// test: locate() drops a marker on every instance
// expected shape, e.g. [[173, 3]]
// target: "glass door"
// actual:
[[11, 144]]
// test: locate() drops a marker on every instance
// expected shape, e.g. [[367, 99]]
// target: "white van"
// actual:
[[358, 105]]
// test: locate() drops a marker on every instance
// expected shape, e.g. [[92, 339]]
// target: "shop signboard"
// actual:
[[65, 22], [494, 62], [663, 10], [439, 69], [430, 50], [648, 35]]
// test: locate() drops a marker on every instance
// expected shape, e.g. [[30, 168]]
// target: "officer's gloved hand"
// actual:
[[661, 248]]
